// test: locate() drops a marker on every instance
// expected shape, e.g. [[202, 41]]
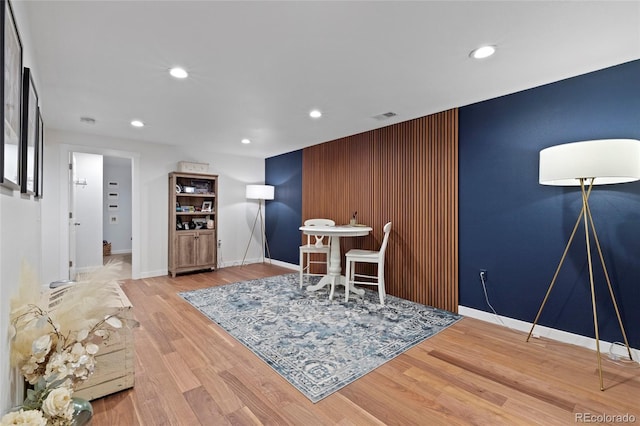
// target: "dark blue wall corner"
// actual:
[[284, 214], [517, 229]]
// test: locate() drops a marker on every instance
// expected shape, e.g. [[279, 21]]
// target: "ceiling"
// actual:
[[258, 68]]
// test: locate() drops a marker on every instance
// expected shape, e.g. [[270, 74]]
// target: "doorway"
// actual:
[[70, 189], [100, 219]]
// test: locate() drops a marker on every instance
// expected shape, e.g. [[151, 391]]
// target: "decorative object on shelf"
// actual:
[[201, 186], [260, 193], [586, 164], [54, 340], [190, 167]]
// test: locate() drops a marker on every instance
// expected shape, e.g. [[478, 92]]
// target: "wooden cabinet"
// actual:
[[193, 222]]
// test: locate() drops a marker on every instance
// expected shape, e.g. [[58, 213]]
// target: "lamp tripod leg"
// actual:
[[251, 236], [263, 237], [606, 275], [555, 275], [587, 216]]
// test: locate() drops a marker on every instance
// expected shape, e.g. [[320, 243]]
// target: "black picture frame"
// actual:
[[11, 63], [40, 155], [28, 160]]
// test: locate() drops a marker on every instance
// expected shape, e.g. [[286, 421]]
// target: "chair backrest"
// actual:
[[385, 240], [318, 239]]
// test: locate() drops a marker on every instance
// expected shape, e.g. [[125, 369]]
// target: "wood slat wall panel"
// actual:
[[406, 173]]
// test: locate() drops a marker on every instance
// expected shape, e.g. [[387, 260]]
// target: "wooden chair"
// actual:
[[315, 244], [354, 256]]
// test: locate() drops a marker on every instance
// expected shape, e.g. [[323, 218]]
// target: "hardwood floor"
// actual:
[[191, 372]]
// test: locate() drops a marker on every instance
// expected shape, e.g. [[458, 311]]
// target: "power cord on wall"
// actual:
[[622, 359], [483, 277]]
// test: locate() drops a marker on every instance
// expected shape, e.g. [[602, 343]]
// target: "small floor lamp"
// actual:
[[260, 193], [585, 164]]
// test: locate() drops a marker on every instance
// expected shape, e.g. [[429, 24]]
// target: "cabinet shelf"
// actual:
[[194, 213], [189, 195]]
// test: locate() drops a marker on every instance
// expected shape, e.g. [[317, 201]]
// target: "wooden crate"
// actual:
[[115, 360]]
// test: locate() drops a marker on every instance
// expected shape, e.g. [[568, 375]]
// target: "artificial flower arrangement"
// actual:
[[54, 343]]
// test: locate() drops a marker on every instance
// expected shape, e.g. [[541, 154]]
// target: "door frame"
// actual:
[[65, 151]]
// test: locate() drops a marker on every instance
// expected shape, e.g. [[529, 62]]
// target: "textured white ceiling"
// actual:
[[257, 68]]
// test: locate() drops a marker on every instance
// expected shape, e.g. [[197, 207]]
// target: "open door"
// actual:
[[85, 213], [72, 216]]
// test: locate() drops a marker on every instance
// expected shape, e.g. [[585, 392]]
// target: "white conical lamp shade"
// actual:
[[608, 161]]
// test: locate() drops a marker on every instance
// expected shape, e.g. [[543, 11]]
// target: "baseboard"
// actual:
[[151, 274], [285, 264], [258, 260], [123, 251], [542, 331]]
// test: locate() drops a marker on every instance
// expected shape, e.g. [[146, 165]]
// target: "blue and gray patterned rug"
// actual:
[[318, 345]]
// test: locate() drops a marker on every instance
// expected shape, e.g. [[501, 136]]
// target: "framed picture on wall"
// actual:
[[39, 155], [11, 59], [29, 134]]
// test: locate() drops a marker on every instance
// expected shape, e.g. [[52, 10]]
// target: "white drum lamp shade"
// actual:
[[260, 192], [608, 161]]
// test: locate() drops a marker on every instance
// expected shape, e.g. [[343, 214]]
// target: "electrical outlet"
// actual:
[[219, 243], [483, 275]]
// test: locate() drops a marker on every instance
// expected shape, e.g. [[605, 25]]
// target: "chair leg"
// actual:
[[347, 280], [381, 292], [301, 267]]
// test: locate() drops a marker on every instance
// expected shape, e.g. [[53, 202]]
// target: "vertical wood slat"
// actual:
[[406, 173]]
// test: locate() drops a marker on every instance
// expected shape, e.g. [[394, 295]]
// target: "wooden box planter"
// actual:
[[115, 360]]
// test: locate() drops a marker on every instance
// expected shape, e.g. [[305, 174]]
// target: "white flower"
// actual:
[[92, 348], [58, 403], [29, 417], [83, 334], [77, 349], [114, 322], [41, 347]]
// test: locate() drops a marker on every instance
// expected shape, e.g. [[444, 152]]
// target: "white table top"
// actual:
[[338, 231]]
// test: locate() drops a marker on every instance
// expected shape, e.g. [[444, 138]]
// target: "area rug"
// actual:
[[318, 345]]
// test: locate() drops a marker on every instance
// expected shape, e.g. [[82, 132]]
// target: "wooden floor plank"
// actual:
[[189, 371]]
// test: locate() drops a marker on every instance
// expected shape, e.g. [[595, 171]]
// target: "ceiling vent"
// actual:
[[385, 116]]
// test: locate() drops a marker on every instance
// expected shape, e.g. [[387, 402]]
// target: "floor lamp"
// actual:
[[585, 164], [260, 193]]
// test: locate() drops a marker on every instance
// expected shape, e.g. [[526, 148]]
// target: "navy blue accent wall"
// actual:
[[517, 229], [283, 215]]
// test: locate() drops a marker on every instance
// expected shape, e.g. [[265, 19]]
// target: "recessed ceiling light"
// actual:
[[178, 72], [245, 141], [137, 123], [482, 52], [315, 114]]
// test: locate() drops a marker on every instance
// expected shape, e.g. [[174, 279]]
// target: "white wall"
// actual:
[[19, 240], [117, 232]]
